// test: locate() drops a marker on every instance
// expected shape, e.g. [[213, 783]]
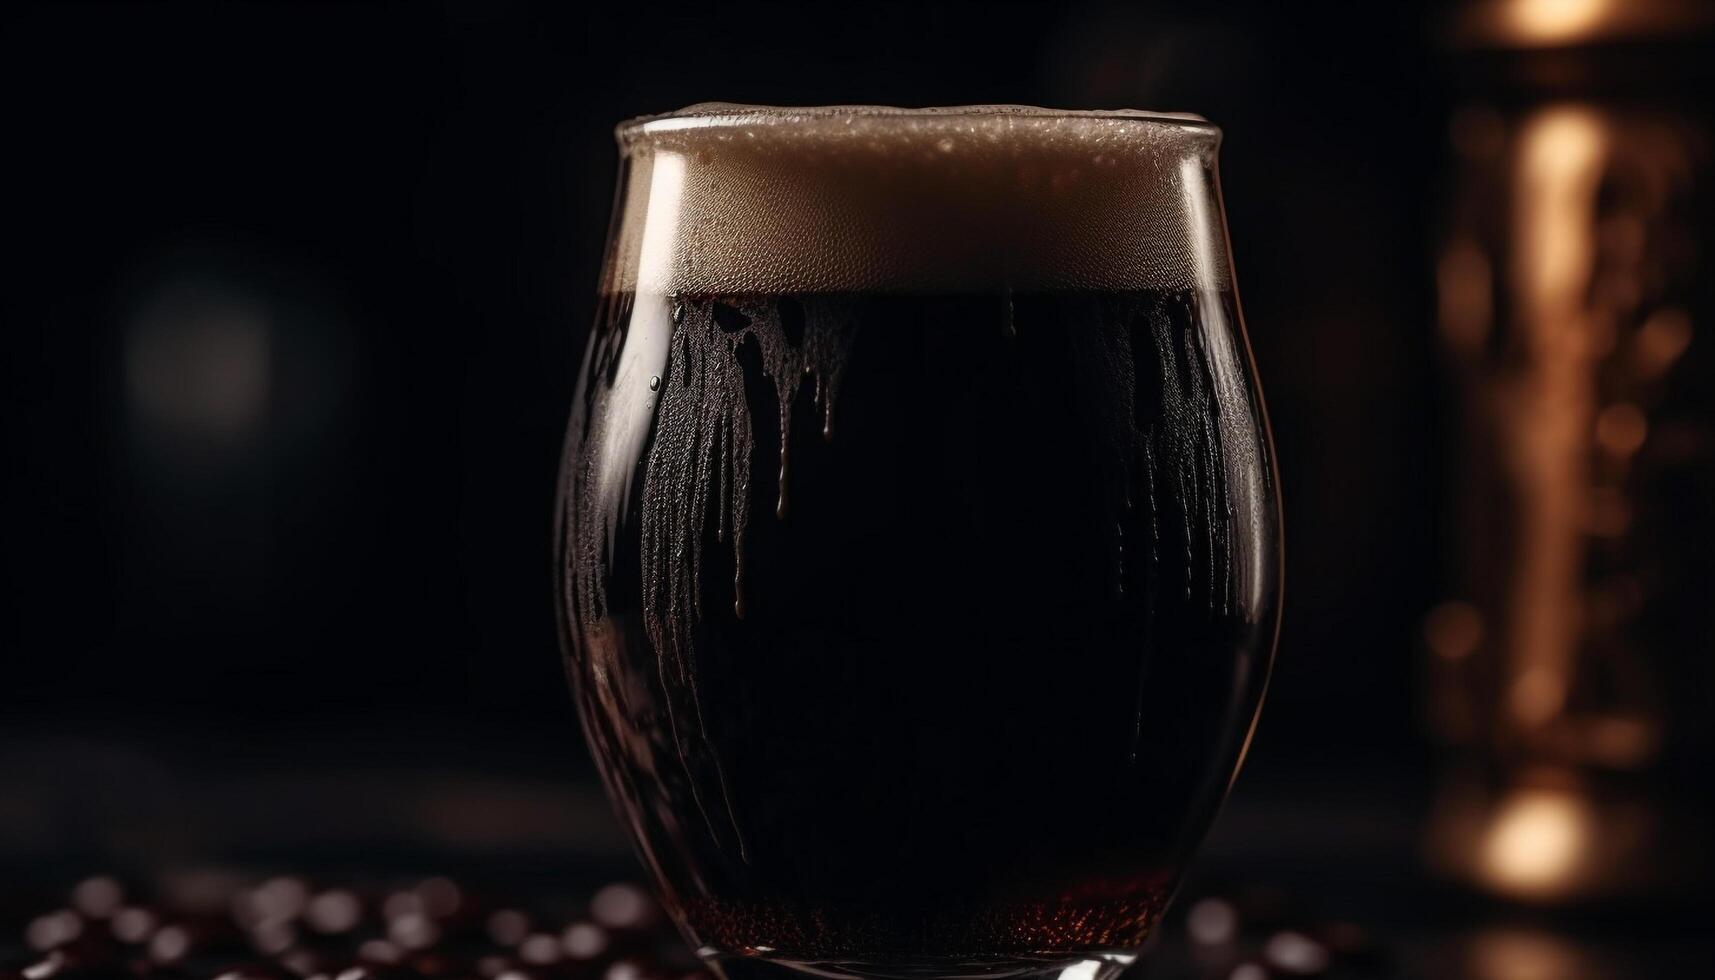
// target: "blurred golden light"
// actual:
[[1624, 742], [1662, 338], [1552, 21], [1610, 514], [1621, 428], [1536, 842], [1518, 955], [1570, 230], [1537, 695], [1555, 23], [1465, 284], [1453, 630], [1617, 291], [1559, 168], [1561, 149]]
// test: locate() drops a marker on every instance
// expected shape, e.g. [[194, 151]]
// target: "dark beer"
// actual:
[[917, 630]]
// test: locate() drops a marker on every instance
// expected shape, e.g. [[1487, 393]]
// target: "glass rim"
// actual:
[[713, 115]]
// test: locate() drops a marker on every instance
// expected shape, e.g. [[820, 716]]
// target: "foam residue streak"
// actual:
[[1170, 442], [703, 446], [1163, 439]]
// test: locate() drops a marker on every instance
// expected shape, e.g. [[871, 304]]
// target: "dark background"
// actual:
[[295, 297]]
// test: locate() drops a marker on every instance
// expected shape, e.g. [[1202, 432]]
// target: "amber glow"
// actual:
[[1664, 337], [1537, 695], [1519, 955], [1564, 280], [1536, 842], [1553, 23], [1453, 630], [1624, 742], [1621, 428], [1464, 282], [1556, 21], [1549, 418]]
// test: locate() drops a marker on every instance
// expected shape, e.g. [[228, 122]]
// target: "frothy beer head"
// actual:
[[754, 199]]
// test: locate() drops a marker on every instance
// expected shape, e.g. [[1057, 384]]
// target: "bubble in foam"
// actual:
[[755, 199]]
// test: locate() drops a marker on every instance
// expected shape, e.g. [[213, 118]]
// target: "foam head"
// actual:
[[755, 199]]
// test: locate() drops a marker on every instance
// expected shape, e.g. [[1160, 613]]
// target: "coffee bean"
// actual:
[[258, 971], [133, 925], [400, 904], [271, 937], [442, 897], [60, 964], [540, 949], [622, 906], [304, 962], [1212, 922], [280, 899], [508, 927], [413, 931], [1296, 954], [334, 912], [1251, 971], [584, 941], [170, 945], [97, 897], [377, 971], [440, 965], [379, 952], [53, 930]]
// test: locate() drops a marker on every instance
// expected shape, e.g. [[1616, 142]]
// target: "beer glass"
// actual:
[[919, 548]]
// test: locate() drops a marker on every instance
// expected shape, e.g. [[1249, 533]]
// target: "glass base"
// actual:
[[1071, 966]]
